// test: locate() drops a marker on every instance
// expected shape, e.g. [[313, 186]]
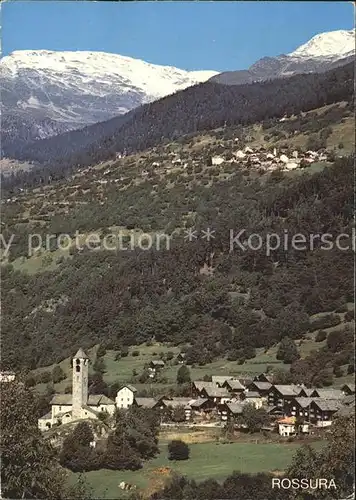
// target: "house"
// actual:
[[253, 397], [263, 377], [181, 358], [262, 388], [217, 160], [348, 389], [155, 366], [322, 411], [299, 407], [125, 396], [215, 394], [286, 426], [279, 395], [230, 411], [174, 402], [78, 405], [145, 402], [330, 393], [235, 387], [201, 408], [219, 380], [199, 385], [274, 412]]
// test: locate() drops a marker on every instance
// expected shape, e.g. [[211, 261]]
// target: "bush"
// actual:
[[320, 336], [349, 316], [135, 354], [58, 374], [324, 322], [44, 377], [178, 450]]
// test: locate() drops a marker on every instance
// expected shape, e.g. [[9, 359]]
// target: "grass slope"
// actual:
[[207, 460]]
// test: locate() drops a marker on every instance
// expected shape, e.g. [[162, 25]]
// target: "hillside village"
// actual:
[[292, 409]]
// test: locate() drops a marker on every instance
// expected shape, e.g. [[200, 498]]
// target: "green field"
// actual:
[[207, 460]]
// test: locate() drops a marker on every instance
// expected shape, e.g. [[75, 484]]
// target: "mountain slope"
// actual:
[[69, 90], [322, 53], [202, 107]]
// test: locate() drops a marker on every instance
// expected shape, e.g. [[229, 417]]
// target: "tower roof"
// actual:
[[81, 354]]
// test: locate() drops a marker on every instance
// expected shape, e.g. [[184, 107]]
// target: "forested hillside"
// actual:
[[128, 297], [202, 107]]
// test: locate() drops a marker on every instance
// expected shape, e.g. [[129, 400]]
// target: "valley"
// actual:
[[177, 255]]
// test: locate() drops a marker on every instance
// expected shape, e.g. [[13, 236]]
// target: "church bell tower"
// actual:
[[80, 383]]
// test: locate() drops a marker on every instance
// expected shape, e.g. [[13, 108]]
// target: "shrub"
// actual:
[[349, 316], [178, 450], [324, 322], [320, 336]]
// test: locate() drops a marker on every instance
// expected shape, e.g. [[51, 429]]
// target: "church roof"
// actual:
[[93, 400], [46, 417], [61, 399], [81, 354]]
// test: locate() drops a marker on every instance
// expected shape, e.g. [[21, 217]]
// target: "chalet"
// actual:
[[299, 407], [181, 358], [219, 380], [252, 397], [201, 407], [330, 393], [274, 412], [199, 385], [279, 395], [309, 393], [262, 388], [174, 402], [155, 366], [125, 396], [216, 394], [348, 389], [230, 411], [322, 411], [263, 377], [235, 387], [145, 402]]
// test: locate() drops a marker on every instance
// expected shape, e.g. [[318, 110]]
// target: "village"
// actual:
[[290, 409]]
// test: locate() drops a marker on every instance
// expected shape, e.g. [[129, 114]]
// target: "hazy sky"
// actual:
[[191, 35]]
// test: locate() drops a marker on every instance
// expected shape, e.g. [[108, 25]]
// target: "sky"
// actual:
[[190, 35]]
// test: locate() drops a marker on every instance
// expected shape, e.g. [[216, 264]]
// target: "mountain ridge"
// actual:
[[321, 53]]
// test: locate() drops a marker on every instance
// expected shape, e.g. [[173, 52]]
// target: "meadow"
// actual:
[[207, 460]]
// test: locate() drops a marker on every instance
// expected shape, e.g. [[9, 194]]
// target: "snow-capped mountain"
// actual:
[[46, 92], [323, 52], [333, 44]]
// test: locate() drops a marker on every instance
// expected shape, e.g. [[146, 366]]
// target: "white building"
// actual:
[[125, 396]]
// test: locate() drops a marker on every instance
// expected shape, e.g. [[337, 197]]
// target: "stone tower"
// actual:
[[80, 383]]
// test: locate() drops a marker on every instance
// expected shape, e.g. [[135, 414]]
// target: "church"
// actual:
[[78, 405]]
